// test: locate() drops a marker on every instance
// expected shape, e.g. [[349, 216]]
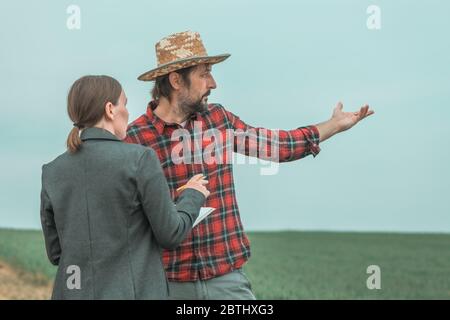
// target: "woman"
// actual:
[[106, 210]]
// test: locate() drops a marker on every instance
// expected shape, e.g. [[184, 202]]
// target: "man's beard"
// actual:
[[190, 106]]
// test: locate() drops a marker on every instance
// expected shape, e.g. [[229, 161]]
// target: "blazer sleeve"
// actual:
[[170, 223], [52, 244]]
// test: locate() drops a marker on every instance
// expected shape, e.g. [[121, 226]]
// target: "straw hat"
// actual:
[[178, 51]]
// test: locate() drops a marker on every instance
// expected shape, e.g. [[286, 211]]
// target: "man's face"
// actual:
[[194, 96]]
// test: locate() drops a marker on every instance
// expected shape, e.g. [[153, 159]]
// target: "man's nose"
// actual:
[[212, 83]]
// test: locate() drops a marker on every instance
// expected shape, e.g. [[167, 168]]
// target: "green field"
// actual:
[[308, 265]]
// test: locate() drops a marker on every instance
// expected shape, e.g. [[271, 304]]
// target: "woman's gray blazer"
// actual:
[[106, 212]]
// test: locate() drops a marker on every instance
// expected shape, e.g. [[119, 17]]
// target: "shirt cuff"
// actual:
[[313, 137]]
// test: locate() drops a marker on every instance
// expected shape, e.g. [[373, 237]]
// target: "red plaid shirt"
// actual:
[[218, 244]]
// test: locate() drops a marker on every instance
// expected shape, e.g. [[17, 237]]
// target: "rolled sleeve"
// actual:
[[312, 135]]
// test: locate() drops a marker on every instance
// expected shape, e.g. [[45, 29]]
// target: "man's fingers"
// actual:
[[369, 113], [363, 112], [339, 106]]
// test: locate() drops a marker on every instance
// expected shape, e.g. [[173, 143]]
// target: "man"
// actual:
[[207, 265]]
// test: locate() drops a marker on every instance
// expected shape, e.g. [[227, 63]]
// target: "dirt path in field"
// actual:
[[19, 285]]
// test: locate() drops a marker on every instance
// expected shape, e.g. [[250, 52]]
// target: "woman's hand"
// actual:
[[198, 183]]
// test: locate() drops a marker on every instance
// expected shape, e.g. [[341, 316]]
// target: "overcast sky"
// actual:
[[291, 61]]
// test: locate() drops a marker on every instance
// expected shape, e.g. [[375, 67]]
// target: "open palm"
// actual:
[[346, 120]]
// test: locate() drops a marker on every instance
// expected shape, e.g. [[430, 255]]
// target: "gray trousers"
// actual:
[[231, 286]]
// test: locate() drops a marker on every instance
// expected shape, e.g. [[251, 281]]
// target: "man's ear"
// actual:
[[175, 80], [109, 114]]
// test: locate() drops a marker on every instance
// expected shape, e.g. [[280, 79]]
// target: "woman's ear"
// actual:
[[109, 114]]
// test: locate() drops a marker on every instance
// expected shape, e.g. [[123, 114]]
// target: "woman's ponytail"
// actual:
[[73, 140]]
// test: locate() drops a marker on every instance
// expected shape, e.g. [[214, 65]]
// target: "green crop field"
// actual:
[[308, 265]]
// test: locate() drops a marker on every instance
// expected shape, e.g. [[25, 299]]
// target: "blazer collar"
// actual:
[[94, 133]]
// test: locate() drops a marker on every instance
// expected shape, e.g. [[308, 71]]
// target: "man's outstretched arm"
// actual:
[[341, 121], [292, 144]]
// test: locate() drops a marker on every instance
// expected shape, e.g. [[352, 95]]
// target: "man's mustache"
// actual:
[[206, 94]]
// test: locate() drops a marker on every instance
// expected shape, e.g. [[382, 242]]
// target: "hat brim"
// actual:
[[180, 64]]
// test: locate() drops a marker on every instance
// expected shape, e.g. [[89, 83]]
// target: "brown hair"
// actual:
[[163, 88], [86, 104]]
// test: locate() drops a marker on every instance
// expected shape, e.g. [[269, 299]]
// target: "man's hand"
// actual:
[[341, 121], [346, 120]]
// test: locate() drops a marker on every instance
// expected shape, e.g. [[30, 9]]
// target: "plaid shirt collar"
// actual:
[[159, 123]]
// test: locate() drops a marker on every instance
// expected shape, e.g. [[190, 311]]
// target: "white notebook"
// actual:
[[204, 212]]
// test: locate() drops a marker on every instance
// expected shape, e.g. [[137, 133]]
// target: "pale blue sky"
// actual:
[[291, 62]]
